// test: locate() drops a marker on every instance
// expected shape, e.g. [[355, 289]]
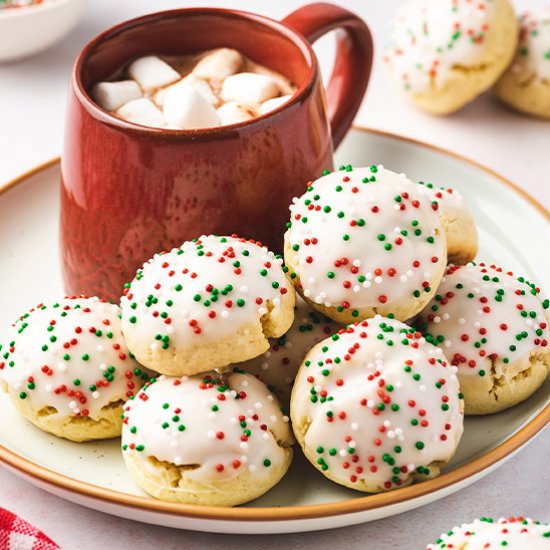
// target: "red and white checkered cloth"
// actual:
[[17, 534]]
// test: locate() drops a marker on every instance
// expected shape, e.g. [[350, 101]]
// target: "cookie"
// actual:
[[67, 369], [363, 241], [278, 366], [211, 439], [211, 302], [376, 407], [444, 53], [494, 328], [525, 85], [514, 533], [458, 224]]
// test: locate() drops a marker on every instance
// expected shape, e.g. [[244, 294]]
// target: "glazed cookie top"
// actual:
[[208, 288], [278, 366], [365, 237], [222, 426], [533, 54], [428, 38], [513, 533], [70, 355], [383, 403], [482, 313]]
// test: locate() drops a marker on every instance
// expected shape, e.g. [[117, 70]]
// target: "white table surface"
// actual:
[[32, 102]]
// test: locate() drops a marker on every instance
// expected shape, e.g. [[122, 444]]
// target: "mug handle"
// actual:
[[352, 67]]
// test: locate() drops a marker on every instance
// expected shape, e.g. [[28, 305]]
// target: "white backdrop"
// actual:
[[32, 102]]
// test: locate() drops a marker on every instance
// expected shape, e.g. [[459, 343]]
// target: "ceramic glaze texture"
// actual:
[[130, 191]]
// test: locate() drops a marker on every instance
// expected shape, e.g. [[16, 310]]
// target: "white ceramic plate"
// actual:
[[510, 225]]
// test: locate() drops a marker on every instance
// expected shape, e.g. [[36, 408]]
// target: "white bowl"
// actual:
[[31, 29]]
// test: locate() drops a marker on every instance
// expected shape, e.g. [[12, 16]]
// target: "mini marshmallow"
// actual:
[[219, 64], [142, 111], [232, 113], [272, 104], [249, 88], [187, 108], [112, 95], [152, 72], [198, 83]]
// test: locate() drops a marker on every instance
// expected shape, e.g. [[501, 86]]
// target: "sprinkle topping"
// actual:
[[515, 533], [365, 238], [219, 426], [209, 288], [383, 405], [482, 314], [70, 355]]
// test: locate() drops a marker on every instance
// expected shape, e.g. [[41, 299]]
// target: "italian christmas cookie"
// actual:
[[211, 302], [526, 83], [67, 369], [209, 439], [278, 366], [485, 533], [444, 53], [458, 224], [376, 407], [363, 241], [494, 328]]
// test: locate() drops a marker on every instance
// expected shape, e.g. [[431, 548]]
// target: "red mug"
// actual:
[[129, 191]]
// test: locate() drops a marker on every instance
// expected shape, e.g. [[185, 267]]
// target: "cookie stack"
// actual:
[[378, 330]]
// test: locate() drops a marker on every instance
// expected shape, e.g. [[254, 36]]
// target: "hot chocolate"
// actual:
[[213, 88]]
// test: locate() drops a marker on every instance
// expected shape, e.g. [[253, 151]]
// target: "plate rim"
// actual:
[[492, 458]]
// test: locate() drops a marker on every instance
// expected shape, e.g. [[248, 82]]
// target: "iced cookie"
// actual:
[[485, 533], [211, 302], [67, 369], [278, 366], [526, 83], [494, 328], [364, 241], [376, 407], [458, 225], [210, 439], [444, 53]]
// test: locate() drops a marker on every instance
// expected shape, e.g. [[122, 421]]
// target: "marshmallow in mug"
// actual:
[[142, 111], [219, 64], [151, 72], [185, 107], [249, 88]]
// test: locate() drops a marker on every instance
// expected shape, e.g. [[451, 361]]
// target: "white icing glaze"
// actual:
[[278, 366], [513, 534], [365, 237], [383, 404], [430, 37], [70, 356], [489, 315], [451, 202], [205, 290], [221, 425], [533, 54]]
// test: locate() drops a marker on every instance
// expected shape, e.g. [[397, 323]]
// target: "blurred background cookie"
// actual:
[[211, 302], [212, 439], [363, 241], [494, 328], [67, 369], [525, 85], [444, 53], [376, 407]]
